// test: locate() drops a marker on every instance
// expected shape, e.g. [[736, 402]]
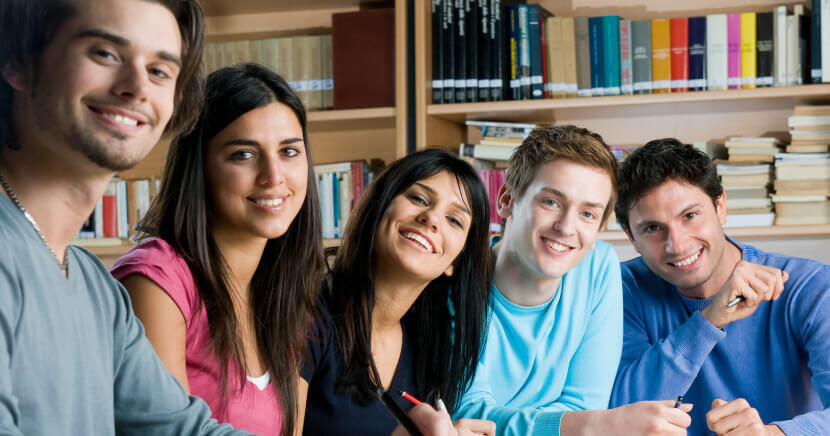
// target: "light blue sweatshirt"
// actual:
[[542, 361]]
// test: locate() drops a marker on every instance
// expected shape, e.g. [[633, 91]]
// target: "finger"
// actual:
[[431, 421], [779, 286], [686, 407], [721, 410], [478, 426], [744, 289], [762, 284], [678, 417], [744, 421]]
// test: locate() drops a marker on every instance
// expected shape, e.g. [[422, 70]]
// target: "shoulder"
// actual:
[[805, 275]]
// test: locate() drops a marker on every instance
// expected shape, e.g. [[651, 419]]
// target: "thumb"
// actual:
[[717, 403], [686, 407]]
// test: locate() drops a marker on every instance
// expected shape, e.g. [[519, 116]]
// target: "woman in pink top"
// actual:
[[227, 272]]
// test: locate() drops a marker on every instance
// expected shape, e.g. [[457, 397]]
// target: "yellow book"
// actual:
[[569, 50], [748, 50], [555, 57], [661, 56]]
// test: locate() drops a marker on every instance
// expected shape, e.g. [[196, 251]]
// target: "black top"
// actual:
[[336, 413]]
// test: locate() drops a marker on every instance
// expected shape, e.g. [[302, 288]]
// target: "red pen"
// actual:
[[410, 398]]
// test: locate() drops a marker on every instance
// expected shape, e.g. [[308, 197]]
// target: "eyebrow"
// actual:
[[562, 194], [251, 142], [457, 204], [123, 42], [685, 210]]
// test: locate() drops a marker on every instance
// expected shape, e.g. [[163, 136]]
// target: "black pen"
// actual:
[[679, 400], [397, 412]]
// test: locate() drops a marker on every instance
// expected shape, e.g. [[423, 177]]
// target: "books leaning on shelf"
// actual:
[[491, 50], [493, 140], [747, 193], [339, 186], [802, 187], [114, 218], [753, 150], [493, 179]]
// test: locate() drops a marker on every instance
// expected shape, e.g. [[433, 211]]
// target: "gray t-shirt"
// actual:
[[73, 356]]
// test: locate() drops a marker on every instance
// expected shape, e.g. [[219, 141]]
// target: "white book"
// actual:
[[825, 40], [121, 210], [779, 29], [798, 198], [792, 50], [716, 52], [333, 168], [487, 152], [749, 220], [747, 203]]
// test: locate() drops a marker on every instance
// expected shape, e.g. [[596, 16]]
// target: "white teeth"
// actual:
[[270, 203], [127, 121], [419, 239], [688, 260], [556, 246]]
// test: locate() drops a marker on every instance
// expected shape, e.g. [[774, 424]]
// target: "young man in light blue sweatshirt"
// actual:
[[555, 327], [741, 333]]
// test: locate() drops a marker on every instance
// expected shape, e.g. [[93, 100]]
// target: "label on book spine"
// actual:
[[715, 83], [597, 91], [471, 83], [571, 87], [642, 86], [525, 81], [449, 83], [680, 83], [748, 81], [661, 84], [611, 90], [583, 92], [496, 83], [536, 80], [764, 81], [697, 83], [483, 84], [815, 73], [733, 81], [549, 87], [627, 89], [437, 83]]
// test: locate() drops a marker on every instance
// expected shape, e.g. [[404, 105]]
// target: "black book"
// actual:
[[472, 17], [484, 49], [497, 37], [448, 39], [764, 62], [815, 43], [536, 19], [804, 48], [437, 53], [460, 55]]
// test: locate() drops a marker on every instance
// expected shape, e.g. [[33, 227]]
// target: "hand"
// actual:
[[754, 282], [473, 427], [737, 418], [430, 421], [644, 418]]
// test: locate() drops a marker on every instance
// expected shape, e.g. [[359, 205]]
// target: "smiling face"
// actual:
[[105, 85], [424, 228], [555, 222], [257, 173], [677, 230]]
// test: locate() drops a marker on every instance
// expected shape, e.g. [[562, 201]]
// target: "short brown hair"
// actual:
[[569, 142]]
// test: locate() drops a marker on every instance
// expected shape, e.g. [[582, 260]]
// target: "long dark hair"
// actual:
[[449, 314], [285, 284]]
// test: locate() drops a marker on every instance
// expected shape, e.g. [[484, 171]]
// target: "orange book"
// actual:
[[661, 55], [679, 54]]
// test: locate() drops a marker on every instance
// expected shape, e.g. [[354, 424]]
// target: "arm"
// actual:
[[302, 398], [164, 324]]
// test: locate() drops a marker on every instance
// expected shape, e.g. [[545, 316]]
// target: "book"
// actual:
[[487, 152], [583, 56], [748, 50], [779, 31], [715, 150], [697, 53], [810, 148], [611, 55], [327, 72], [749, 220], [815, 42], [765, 59], [817, 208], [524, 51], [472, 17], [484, 50], [792, 50], [514, 51], [661, 55], [460, 42], [811, 110], [596, 45], [809, 122], [745, 141], [813, 172], [804, 46], [746, 203], [679, 28], [810, 135], [716, 52], [733, 35], [641, 55], [448, 53], [437, 52], [569, 57], [536, 16], [498, 78], [802, 187], [824, 40], [555, 55], [626, 70]]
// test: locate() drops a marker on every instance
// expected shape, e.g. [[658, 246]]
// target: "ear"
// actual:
[[720, 207], [15, 78], [449, 271], [504, 202]]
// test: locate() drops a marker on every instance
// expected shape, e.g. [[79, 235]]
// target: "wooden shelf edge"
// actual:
[[750, 232], [806, 93], [352, 114]]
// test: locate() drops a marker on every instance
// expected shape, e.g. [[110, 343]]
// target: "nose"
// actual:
[[271, 172], [133, 82], [566, 223], [675, 241], [428, 218]]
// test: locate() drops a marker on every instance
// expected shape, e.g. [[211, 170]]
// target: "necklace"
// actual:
[[63, 265]]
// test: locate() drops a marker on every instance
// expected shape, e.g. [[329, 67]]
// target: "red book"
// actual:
[[108, 213], [363, 58], [679, 54], [544, 45]]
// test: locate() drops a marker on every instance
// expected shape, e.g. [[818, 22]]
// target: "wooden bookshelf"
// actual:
[[747, 232]]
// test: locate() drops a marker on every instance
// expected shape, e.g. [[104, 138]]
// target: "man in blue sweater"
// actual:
[[555, 329], [741, 333]]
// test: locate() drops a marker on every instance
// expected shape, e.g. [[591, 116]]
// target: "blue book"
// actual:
[[611, 54], [335, 203], [815, 43], [697, 53], [536, 16], [595, 48]]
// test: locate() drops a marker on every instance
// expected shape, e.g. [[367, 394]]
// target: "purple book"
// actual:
[[733, 43]]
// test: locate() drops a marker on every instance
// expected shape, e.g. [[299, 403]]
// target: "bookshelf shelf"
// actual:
[[376, 113], [546, 109], [748, 232]]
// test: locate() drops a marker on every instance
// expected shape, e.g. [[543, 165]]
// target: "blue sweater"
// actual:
[[542, 361], [778, 358]]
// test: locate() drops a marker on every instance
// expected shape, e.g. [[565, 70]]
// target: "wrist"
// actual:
[[581, 423], [774, 430], [705, 313]]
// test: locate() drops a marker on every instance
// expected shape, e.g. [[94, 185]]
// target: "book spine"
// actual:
[[803, 61], [825, 41], [537, 83], [524, 52], [543, 51], [779, 32], [497, 44], [437, 54], [733, 35], [679, 54], [328, 71], [764, 46], [641, 56], [661, 55], [472, 17], [568, 50], [460, 51], [109, 212], [597, 70], [448, 30], [626, 67], [748, 50], [815, 43], [554, 57], [611, 55], [583, 56], [484, 50], [792, 50], [515, 74], [697, 53], [716, 52]]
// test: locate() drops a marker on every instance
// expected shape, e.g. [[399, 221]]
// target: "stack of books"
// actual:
[[493, 141], [747, 196], [753, 150], [339, 186], [802, 186], [493, 179], [809, 129], [115, 216]]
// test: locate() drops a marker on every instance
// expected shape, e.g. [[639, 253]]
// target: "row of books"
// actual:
[[123, 205], [304, 61], [339, 186], [489, 50]]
